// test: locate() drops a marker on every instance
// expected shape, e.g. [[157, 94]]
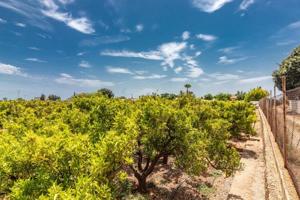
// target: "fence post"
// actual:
[[283, 79], [271, 111], [275, 115]]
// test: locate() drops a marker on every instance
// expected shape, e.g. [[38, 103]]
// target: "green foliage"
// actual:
[[168, 96], [290, 67], [222, 96], [208, 97], [240, 95], [85, 147], [106, 92], [53, 97], [256, 94]]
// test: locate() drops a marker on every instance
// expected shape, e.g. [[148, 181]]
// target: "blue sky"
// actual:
[[138, 47]]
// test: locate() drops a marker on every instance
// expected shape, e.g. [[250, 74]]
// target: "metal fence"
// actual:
[[283, 114]]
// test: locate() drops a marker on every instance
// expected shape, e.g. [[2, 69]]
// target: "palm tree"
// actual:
[[187, 86]]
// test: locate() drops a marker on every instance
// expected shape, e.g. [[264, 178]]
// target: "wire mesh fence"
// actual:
[[283, 114]]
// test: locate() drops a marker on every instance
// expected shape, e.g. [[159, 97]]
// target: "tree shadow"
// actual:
[[234, 197], [246, 153]]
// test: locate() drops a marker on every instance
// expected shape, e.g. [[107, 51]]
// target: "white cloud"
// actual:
[[228, 50], [3, 21], [185, 35], [11, 70], [194, 72], [168, 53], [36, 11], [287, 33], [206, 37], [223, 77], [210, 6], [30, 10], [225, 60], [84, 64], [255, 79], [20, 25], [150, 55], [125, 30], [198, 53], [81, 53], [285, 43], [179, 79], [140, 72], [44, 36], [66, 1], [118, 70], [139, 27], [177, 70], [104, 40], [171, 52], [34, 48], [70, 80], [153, 76], [35, 60], [245, 4], [81, 24], [294, 25]]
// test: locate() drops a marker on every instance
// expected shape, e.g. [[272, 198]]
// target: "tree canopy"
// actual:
[[290, 67], [87, 146], [107, 92], [256, 94]]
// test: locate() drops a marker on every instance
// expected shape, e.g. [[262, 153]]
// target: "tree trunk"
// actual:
[[142, 184], [165, 159]]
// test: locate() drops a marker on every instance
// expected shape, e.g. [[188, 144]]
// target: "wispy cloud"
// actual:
[[84, 64], [167, 53], [118, 70], [294, 25], [81, 24], [81, 53], [44, 36], [31, 10], [152, 76], [255, 79], [11, 70], [179, 79], [228, 50], [224, 76], [206, 37], [139, 27], [150, 55], [171, 52], [19, 24], [185, 35], [286, 42], [194, 72], [104, 40], [3, 21], [245, 4], [177, 70], [225, 60], [35, 60], [198, 53], [289, 32], [70, 80], [34, 48], [36, 11], [209, 6]]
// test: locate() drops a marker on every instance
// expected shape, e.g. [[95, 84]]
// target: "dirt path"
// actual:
[[249, 182]]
